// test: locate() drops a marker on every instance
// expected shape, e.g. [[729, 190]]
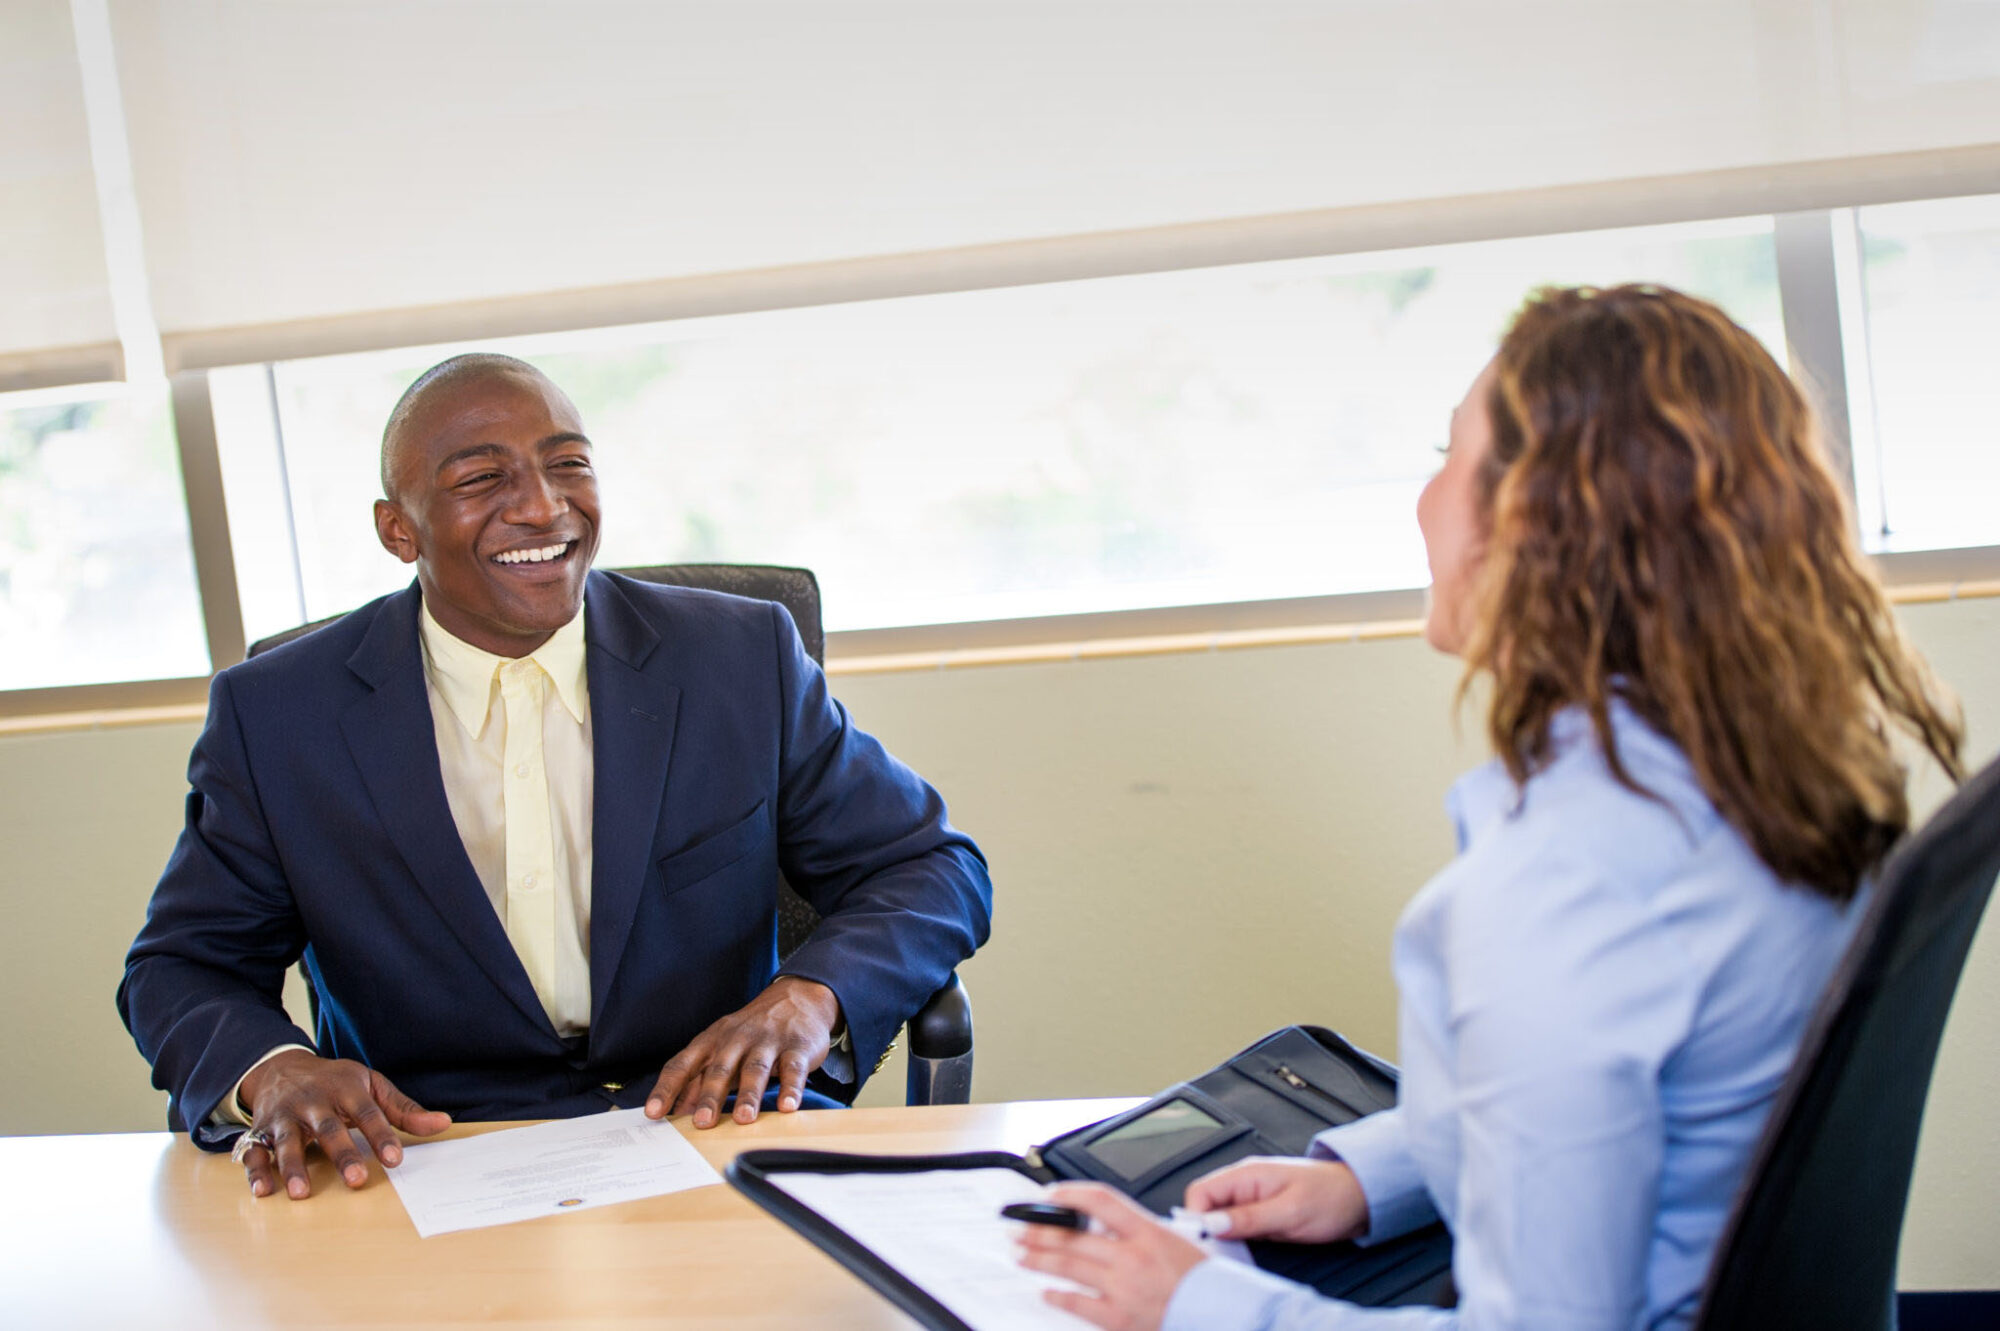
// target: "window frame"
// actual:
[[1808, 292], [215, 579]]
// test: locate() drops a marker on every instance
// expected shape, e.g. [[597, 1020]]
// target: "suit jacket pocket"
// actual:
[[684, 868]]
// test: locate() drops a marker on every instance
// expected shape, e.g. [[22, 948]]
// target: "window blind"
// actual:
[[56, 324], [325, 176]]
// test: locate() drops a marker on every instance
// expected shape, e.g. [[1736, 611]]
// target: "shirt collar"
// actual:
[[464, 675], [1487, 793]]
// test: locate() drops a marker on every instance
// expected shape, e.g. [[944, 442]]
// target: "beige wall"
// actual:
[[1188, 850]]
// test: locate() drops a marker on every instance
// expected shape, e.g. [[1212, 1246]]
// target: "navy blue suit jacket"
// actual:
[[317, 826]]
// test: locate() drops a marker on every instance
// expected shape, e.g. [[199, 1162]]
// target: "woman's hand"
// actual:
[[1129, 1261], [1279, 1197]]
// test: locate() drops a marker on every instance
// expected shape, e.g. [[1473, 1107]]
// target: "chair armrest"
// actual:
[[942, 1027]]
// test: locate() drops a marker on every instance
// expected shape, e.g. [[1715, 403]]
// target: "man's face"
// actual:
[[496, 504]]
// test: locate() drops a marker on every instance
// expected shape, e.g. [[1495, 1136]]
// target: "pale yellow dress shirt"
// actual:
[[514, 748]]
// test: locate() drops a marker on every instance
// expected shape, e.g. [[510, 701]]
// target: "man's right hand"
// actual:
[[297, 1098], [1280, 1197]]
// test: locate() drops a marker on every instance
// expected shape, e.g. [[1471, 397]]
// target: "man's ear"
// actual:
[[393, 530]]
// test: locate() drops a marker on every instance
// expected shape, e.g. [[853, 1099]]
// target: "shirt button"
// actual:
[[527, 880], [521, 770]]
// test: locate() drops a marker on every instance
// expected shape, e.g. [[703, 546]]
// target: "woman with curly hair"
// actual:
[[1639, 551]]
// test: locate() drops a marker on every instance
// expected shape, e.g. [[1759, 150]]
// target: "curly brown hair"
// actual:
[[1663, 527]]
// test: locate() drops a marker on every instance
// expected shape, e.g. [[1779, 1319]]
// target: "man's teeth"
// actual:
[[547, 552]]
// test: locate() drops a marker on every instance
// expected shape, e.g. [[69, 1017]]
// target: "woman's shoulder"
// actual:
[[1575, 808], [1576, 835], [1577, 885]]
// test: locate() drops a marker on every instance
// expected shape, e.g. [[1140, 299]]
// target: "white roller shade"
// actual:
[[56, 322], [325, 174]]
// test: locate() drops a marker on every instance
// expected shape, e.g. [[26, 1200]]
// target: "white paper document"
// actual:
[[942, 1230], [572, 1164]]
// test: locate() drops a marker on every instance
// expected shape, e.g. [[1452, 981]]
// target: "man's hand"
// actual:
[[1129, 1262], [788, 1027], [298, 1098], [1280, 1197]]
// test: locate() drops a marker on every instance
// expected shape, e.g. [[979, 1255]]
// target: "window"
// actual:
[[1250, 432], [97, 578], [1920, 360]]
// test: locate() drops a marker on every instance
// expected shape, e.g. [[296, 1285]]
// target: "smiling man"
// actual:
[[524, 822]]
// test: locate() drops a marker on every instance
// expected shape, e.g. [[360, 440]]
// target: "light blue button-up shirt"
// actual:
[[1600, 997]]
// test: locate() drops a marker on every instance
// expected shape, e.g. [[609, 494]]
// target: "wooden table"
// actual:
[[144, 1231]]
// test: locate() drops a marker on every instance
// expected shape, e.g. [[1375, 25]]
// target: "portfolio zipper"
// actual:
[[1298, 1083]]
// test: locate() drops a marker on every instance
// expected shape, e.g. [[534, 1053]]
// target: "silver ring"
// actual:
[[254, 1137]]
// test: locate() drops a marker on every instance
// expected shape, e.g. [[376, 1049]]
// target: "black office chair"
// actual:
[[940, 1034], [1811, 1243]]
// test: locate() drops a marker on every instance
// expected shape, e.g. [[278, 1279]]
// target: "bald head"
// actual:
[[440, 381]]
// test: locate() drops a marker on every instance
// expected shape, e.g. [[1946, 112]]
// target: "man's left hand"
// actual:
[[1128, 1263], [787, 1029]]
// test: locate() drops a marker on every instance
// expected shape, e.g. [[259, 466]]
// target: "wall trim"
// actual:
[[1086, 649], [1162, 621], [83, 706], [1097, 649], [154, 704], [103, 718]]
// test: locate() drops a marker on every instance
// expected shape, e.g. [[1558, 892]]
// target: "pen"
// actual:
[[1046, 1213], [1188, 1224]]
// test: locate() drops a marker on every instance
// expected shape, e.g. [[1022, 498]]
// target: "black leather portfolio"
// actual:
[[1271, 1099]]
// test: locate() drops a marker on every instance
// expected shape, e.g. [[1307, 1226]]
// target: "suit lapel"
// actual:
[[390, 733], [632, 718]]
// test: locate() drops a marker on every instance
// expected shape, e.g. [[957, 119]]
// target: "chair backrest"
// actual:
[[1811, 1243], [794, 588]]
